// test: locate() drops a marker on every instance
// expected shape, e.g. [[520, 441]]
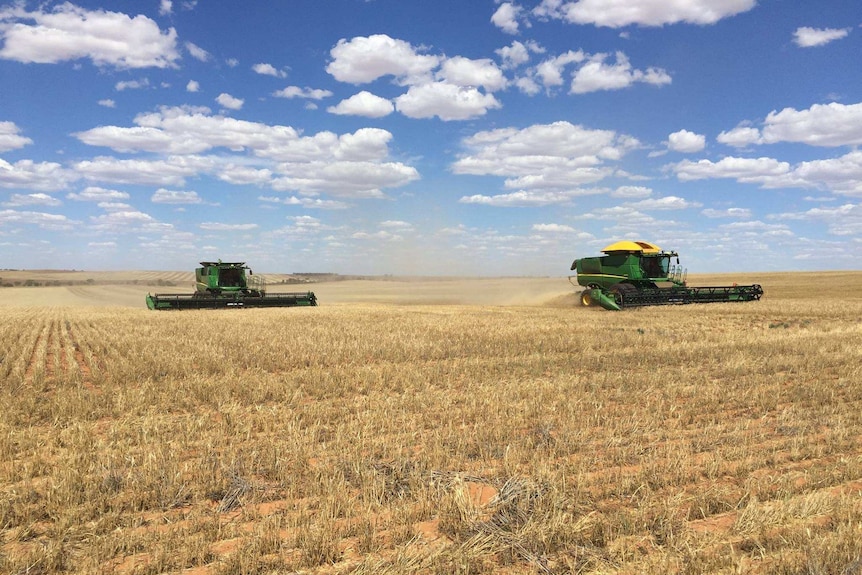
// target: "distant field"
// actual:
[[128, 289], [432, 426]]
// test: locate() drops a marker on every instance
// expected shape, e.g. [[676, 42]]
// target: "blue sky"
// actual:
[[446, 137]]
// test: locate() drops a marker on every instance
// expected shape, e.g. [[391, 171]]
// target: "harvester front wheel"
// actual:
[[586, 298]]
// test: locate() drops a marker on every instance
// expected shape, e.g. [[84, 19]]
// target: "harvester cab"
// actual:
[[226, 284], [634, 274], [219, 277]]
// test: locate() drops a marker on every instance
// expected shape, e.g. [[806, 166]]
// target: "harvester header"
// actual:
[[226, 284], [633, 274]]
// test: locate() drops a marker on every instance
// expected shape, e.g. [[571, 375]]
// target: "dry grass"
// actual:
[[378, 438]]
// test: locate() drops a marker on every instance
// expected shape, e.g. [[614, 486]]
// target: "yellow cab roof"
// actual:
[[630, 246]]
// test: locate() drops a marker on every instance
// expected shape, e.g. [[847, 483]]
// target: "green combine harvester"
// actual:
[[633, 274], [226, 285]]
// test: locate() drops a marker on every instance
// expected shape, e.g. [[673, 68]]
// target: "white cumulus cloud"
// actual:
[[350, 165], [551, 70], [10, 139], [506, 17], [40, 219], [268, 70], [826, 125], [518, 53], [365, 59], [806, 37], [740, 137], [468, 73], [363, 104], [222, 227], [553, 228], [446, 101], [197, 52], [128, 221], [38, 199], [69, 32], [597, 75], [619, 13], [306, 93], [229, 102], [632, 192], [665, 203], [741, 213], [752, 170], [556, 157], [686, 142], [311, 203], [820, 125], [97, 194], [520, 199], [38, 176], [132, 84], [163, 196]]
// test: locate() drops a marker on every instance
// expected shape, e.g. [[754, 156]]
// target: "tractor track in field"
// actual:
[[57, 357], [33, 364], [52, 357], [80, 359], [85, 293], [30, 370]]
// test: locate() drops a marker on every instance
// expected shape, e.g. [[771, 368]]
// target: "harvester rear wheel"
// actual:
[[586, 298]]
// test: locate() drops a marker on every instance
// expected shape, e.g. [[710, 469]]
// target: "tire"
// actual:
[[586, 298], [619, 292]]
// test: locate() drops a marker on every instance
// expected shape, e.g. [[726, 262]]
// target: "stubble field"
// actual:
[[459, 426]]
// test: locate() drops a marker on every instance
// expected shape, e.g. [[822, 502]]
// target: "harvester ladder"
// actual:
[[678, 274], [256, 283]]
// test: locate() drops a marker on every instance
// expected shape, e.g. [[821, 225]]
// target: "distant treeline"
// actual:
[[295, 278], [87, 282], [308, 277], [311, 277]]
